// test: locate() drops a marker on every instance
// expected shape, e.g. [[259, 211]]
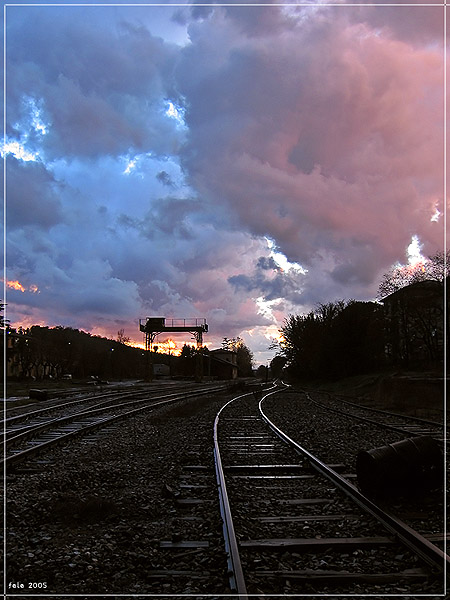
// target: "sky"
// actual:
[[233, 163]]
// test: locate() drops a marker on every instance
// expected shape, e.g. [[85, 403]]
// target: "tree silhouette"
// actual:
[[434, 268], [244, 357], [337, 339]]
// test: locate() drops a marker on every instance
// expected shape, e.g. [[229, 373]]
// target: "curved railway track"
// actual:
[[293, 523], [407, 425], [331, 535], [25, 440]]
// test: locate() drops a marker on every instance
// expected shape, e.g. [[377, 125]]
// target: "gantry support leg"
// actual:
[[199, 357], [149, 339]]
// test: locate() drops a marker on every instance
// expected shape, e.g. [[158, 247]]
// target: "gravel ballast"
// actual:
[[89, 517], [333, 440], [94, 516]]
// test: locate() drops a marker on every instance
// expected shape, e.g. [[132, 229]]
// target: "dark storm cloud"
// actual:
[[165, 178], [267, 263], [167, 217], [103, 88], [32, 196], [270, 282], [250, 20], [401, 22], [259, 21]]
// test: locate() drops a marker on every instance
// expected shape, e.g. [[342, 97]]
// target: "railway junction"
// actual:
[[218, 490]]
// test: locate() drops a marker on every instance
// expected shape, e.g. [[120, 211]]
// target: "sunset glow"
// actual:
[[169, 347], [16, 285]]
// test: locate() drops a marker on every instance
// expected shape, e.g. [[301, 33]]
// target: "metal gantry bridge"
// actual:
[[153, 326]]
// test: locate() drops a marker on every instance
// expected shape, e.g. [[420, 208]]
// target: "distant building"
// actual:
[[414, 317], [223, 364], [16, 348], [161, 370]]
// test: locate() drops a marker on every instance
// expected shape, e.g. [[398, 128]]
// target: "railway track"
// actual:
[[140, 508], [113, 510], [294, 524], [28, 420], [407, 425], [29, 434], [59, 407], [61, 404]]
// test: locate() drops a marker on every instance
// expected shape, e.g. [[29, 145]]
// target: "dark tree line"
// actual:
[[344, 338], [434, 268], [51, 352], [188, 362], [336, 339], [244, 356]]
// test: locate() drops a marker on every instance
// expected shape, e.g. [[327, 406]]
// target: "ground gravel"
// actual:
[[338, 438], [334, 439], [91, 517]]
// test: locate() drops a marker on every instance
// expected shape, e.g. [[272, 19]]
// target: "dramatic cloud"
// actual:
[[33, 196], [323, 137], [235, 163]]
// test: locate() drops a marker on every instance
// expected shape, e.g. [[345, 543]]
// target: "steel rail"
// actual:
[[430, 553], [81, 395], [107, 397], [24, 454], [235, 572], [105, 405], [82, 400], [342, 399], [22, 433], [395, 428]]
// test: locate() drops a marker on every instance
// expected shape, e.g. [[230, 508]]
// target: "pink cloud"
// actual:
[[328, 136]]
